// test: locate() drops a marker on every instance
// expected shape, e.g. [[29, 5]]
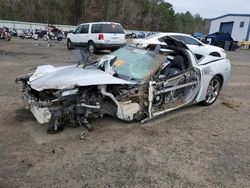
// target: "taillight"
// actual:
[[101, 37]]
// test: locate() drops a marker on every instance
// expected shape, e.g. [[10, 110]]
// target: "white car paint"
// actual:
[[68, 77], [84, 34], [197, 48], [209, 67]]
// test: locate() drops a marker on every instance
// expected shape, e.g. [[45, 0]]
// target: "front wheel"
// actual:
[[69, 45], [213, 91]]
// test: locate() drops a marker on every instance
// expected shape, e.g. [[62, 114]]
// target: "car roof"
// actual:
[[180, 34], [163, 34], [100, 23]]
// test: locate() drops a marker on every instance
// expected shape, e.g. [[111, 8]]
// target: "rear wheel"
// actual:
[[213, 91], [91, 47]]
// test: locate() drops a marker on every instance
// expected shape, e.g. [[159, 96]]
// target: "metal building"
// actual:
[[238, 25]]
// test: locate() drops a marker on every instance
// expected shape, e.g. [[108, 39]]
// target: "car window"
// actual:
[[113, 28], [161, 39], [78, 29], [96, 28], [107, 28], [85, 29], [189, 40], [176, 37], [136, 64]]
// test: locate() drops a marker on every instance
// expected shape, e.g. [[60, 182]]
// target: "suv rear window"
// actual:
[[107, 28]]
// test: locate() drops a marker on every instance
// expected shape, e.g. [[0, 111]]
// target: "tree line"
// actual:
[[148, 15]]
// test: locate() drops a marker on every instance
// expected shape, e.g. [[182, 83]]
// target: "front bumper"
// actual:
[[41, 113]]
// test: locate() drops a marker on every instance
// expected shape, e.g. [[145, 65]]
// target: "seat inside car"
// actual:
[[175, 67]]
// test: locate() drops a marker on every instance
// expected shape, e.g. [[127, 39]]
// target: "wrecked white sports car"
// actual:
[[131, 84]]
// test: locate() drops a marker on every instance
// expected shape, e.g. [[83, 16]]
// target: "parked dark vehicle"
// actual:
[[223, 40]]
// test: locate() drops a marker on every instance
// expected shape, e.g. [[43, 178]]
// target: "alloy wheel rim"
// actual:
[[213, 91]]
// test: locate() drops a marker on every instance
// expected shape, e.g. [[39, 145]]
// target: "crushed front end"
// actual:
[[67, 106]]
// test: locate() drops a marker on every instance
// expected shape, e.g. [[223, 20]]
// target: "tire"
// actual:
[[213, 91], [7, 38], [35, 38], [91, 47], [69, 45], [215, 54], [59, 39], [45, 38]]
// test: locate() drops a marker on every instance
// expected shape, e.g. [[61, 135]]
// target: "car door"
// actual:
[[83, 36], [75, 38], [174, 92]]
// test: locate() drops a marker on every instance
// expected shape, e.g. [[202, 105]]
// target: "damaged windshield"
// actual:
[[135, 64]]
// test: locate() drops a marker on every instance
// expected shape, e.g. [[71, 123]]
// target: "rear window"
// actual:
[[107, 28]]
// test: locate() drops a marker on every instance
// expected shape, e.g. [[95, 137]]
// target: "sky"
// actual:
[[211, 8]]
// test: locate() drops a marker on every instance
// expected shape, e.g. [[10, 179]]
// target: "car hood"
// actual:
[[214, 47], [67, 77]]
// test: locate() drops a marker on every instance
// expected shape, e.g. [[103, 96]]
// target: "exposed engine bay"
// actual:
[[77, 106]]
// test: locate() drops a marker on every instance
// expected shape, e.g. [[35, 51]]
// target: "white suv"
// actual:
[[97, 35]]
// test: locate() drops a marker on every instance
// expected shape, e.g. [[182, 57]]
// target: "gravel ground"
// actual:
[[192, 147]]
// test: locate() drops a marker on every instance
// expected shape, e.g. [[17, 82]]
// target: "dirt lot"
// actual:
[[193, 147]]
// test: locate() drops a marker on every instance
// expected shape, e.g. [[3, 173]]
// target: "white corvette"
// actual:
[[196, 46], [131, 84]]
